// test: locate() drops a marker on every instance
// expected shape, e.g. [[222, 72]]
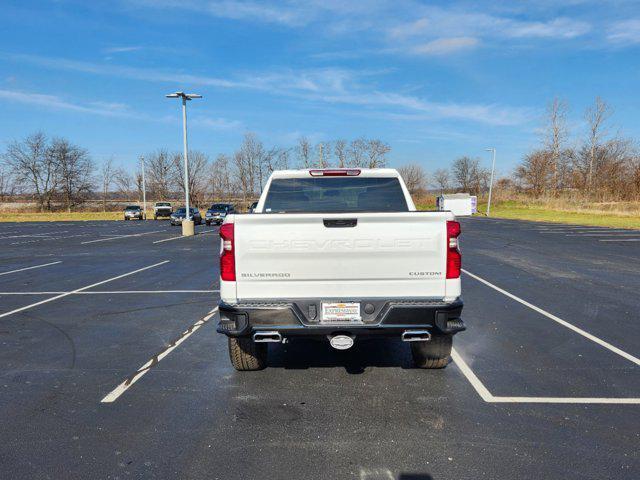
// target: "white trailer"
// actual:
[[460, 204]]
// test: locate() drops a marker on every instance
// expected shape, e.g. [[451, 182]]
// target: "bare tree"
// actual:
[[357, 153], [220, 181], [255, 159], [242, 174], [596, 117], [282, 159], [377, 153], [106, 180], [340, 151], [324, 154], [414, 176], [536, 171], [198, 164], [555, 137], [160, 171], [34, 168], [470, 176], [462, 172], [303, 151], [441, 179], [7, 184], [124, 183], [75, 171]]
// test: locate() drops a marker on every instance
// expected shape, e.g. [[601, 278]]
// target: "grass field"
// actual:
[[515, 210], [61, 216]]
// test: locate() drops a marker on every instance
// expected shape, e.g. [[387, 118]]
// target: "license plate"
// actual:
[[346, 313]]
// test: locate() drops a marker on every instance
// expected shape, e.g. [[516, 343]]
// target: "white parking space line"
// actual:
[[178, 238], [57, 297], [124, 386], [621, 234], [564, 323], [488, 397], [33, 235], [30, 268], [621, 240], [475, 382], [122, 236], [107, 292]]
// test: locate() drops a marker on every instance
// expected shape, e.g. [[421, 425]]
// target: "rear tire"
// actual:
[[246, 355], [432, 354]]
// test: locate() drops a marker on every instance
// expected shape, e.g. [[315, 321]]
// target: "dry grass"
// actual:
[[537, 213], [62, 216]]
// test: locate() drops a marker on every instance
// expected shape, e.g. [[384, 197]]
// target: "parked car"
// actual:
[[133, 212], [162, 209], [340, 254], [252, 207], [178, 216], [217, 213]]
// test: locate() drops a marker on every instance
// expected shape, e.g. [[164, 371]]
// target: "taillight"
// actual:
[[336, 172], [228, 254], [454, 258]]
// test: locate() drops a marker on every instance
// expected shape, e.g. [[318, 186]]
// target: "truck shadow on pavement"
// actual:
[[302, 354]]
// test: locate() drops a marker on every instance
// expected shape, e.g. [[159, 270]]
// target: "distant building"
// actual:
[[460, 204]]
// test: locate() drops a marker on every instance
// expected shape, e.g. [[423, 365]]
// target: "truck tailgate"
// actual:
[[326, 256]]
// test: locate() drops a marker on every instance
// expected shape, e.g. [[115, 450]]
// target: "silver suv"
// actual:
[[133, 212]]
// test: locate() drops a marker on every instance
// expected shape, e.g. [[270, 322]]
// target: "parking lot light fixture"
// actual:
[[187, 223], [493, 168]]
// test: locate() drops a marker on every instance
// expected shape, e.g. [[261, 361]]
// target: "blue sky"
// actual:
[[435, 80]]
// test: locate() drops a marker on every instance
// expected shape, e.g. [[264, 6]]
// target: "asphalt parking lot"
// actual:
[[111, 367]]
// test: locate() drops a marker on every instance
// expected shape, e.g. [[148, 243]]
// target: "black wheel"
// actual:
[[245, 354], [432, 354], [208, 223], [126, 218]]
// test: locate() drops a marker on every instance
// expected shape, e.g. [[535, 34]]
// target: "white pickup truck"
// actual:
[[339, 254]]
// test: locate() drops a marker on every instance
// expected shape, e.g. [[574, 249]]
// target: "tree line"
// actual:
[[599, 164], [56, 172]]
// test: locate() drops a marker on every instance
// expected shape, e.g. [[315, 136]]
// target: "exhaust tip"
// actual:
[[416, 336], [261, 337], [341, 342]]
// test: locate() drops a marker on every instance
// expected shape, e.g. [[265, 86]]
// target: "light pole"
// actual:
[[144, 189], [187, 224], [493, 168]]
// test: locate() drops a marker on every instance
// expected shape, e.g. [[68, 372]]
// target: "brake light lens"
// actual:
[[339, 172], [454, 257], [227, 253]]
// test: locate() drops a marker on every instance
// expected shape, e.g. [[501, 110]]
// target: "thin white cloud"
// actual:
[[216, 123], [123, 49], [106, 109], [328, 85], [438, 22], [57, 103], [556, 28], [443, 46], [626, 32], [284, 13]]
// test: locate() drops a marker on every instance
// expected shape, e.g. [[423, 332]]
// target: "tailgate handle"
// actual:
[[340, 222]]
